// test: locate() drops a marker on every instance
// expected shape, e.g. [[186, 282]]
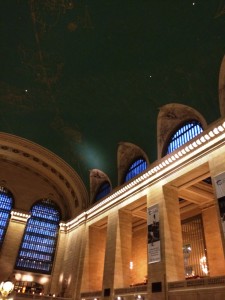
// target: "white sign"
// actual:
[[220, 192], [154, 254]]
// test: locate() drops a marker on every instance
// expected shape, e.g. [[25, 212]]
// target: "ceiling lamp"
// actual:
[[6, 287]]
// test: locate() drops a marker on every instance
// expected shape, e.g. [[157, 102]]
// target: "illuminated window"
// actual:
[[136, 168], [194, 247], [37, 249], [6, 201], [104, 190], [183, 135]]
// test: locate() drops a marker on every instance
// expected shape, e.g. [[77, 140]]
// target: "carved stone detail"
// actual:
[[170, 117], [126, 154], [97, 178], [33, 157]]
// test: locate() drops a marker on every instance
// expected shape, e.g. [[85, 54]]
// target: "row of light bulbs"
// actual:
[[217, 131]]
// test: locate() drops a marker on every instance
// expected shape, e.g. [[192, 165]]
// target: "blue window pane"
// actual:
[[136, 168], [6, 201], [38, 245], [104, 190], [183, 135]]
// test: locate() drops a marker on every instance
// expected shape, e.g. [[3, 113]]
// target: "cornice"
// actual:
[[35, 157], [206, 142], [19, 216]]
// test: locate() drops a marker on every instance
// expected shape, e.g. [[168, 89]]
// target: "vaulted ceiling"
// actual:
[[80, 76]]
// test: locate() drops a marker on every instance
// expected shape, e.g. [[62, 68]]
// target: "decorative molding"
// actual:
[[202, 144], [126, 154], [44, 163], [205, 142], [19, 216], [97, 178], [172, 116], [193, 283]]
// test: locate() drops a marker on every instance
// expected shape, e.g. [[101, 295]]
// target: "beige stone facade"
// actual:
[[102, 248]]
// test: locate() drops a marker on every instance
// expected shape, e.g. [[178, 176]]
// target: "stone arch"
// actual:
[[170, 117], [126, 153], [34, 172], [97, 178]]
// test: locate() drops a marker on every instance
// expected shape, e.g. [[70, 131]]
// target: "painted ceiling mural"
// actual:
[[80, 76]]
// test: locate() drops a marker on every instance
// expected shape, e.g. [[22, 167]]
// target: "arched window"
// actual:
[[37, 249], [184, 134], [6, 202], [136, 168], [103, 190]]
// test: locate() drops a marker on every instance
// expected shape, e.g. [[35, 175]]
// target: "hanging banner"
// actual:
[[220, 193], [154, 254]]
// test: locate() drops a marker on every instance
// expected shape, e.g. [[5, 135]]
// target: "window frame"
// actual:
[[35, 239], [171, 139], [101, 189], [5, 211], [130, 169]]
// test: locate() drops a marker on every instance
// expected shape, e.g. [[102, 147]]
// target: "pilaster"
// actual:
[[170, 267], [11, 244], [118, 253], [173, 242], [213, 242], [57, 280]]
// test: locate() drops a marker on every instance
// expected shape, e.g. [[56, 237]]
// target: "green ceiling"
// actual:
[[78, 77]]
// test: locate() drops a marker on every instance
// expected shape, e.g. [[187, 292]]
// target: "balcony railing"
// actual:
[[93, 295], [197, 283], [26, 296], [126, 293], [139, 289]]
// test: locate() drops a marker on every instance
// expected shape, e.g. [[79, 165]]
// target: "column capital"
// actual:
[[19, 216]]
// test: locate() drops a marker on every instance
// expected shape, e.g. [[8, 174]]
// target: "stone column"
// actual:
[[11, 243], [171, 266], [173, 242], [57, 280], [217, 167], [74, 261], [123, 251], [85, 285], [96, 255], [118, 253], [213, 242]]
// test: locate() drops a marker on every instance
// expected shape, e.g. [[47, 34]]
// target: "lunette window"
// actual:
[[184, 134], [6, 202], [37, 249], [136, 168], [104, 190]]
